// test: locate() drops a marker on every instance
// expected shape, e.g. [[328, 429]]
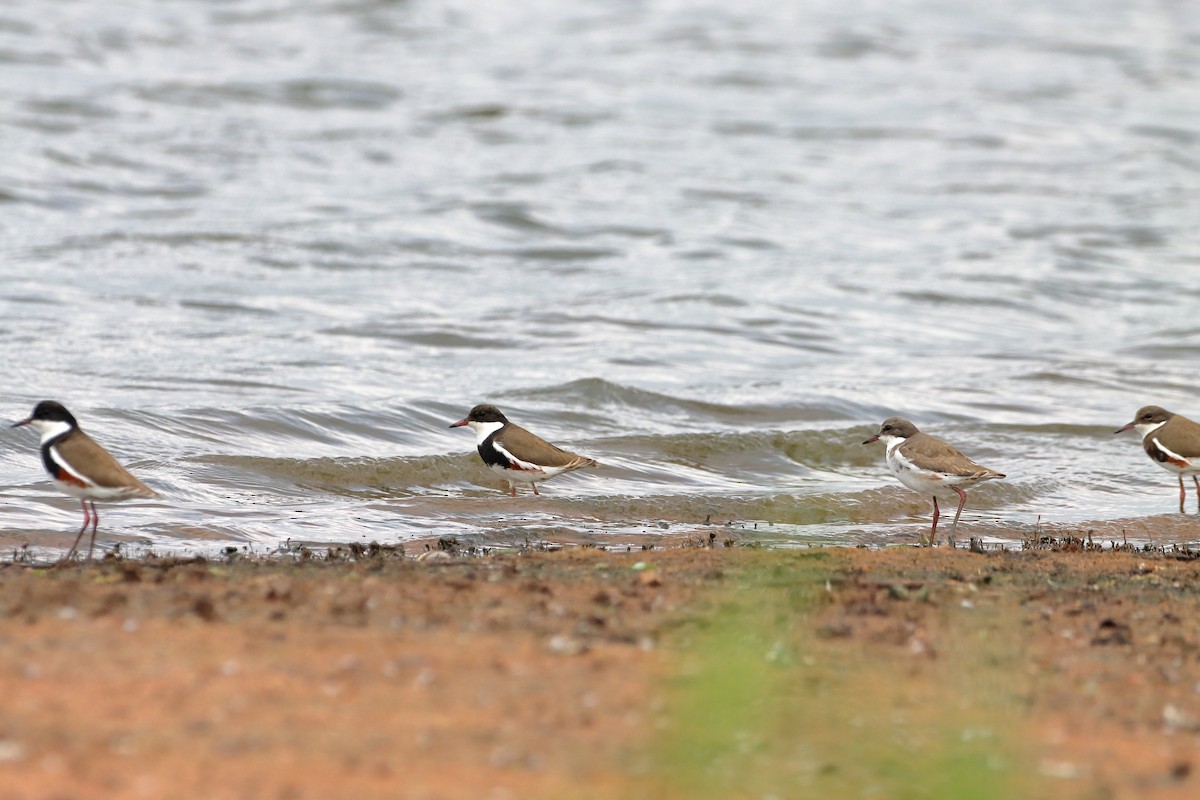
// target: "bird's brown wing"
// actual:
[[98, 464], [938, 456], [532, 449], [1180, 435]]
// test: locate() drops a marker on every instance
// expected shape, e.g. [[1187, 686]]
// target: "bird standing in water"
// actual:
[[927, 465], [515, 453], [79, 467], [1172, 440]]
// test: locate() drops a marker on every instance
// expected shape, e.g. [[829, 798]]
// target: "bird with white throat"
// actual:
[[1172, 441], [516, 454], [928, 465], [79, 467]]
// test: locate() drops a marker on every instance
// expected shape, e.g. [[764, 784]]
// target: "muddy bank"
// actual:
[[582, 673], [484, 677]]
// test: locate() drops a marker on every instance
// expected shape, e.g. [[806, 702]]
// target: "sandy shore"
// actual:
[[590, 674]]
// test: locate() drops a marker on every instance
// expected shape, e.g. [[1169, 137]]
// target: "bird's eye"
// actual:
[[1146, 417], [887, 427]]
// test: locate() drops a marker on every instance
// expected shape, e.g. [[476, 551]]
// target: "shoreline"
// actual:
[[580, 672], [421, 548]]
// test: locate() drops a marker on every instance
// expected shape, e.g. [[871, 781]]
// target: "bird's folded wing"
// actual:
[[1185, 438], [531, 449], [101, 467], [941, 457]]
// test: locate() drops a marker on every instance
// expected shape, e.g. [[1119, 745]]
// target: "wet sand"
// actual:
[[585, 673]]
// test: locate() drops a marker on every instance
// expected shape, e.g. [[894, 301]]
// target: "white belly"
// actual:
[[922, 480], [93, 492], [917, 480], [1192, 464], [526, 475], [1191, 469]]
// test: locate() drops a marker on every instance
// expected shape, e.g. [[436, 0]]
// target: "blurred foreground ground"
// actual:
[[590, 674]]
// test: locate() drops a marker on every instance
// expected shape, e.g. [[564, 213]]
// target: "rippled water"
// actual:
[[268, 250]]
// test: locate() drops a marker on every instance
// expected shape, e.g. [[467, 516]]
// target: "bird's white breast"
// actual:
[[50, 429], [484, 429], [908, 473], [1144, 429]]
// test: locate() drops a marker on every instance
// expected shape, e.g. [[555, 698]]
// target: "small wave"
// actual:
[[819, 449], [311, 93], [563, 253], [515, 216], [472, 113], [597, 393], [1127, 235], [426, 337], [867, 506], [227, 307], [70, 107], [847, 45], [362, 476]]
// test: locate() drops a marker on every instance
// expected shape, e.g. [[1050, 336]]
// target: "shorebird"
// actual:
[[79, 467], [927, 465], [1172, 440], [515, 453]]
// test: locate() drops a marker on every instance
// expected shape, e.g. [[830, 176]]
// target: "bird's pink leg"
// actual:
[[86, 520], [534, 485], [961, 502], [512, 488], [95, 522], [1197, 482], [1181, 494], [936, 514]]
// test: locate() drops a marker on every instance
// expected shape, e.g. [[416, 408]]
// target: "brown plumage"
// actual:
[[515, 453], [932, 454], [98, 465], [79, 467], [536, 450], [1172, 441], [927, 465]]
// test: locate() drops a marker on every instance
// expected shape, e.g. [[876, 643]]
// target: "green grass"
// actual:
[[765, 707]]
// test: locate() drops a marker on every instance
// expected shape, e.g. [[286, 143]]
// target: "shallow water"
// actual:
[[268, 250]]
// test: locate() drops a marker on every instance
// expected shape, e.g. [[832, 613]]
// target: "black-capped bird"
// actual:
[[1172, 440], [79, 467], [515, 453]]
